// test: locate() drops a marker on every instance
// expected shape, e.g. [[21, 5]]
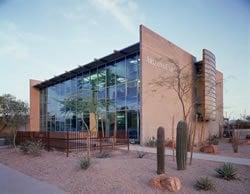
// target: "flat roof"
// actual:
[[97, 62]]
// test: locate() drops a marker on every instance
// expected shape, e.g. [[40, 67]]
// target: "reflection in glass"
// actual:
[[132, 124], [111, 98], [120, 71], [120, 97], [111, 74], [132, 96], [121, 123], [132, 67], [110, 124], [109, 91], [102, 76], [93, 79]]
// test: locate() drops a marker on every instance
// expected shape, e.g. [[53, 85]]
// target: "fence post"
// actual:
[[100, 143], [67, 149], [128, 142], [113, 143]]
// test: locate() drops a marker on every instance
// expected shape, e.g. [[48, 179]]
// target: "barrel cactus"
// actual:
[[160, 150], [181, 145]]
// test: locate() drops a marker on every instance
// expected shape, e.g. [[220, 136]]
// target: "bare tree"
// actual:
[[180, 80]]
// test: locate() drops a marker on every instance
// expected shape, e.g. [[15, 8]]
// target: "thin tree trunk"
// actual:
[[173, 137], [88, 145], [193, 139], [14, 138], [102, 127]]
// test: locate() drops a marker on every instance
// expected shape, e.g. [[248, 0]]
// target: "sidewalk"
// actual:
[[14, 182], [201, 156]]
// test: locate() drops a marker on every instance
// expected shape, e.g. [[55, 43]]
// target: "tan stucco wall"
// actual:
[[159, 106], [34, 106]]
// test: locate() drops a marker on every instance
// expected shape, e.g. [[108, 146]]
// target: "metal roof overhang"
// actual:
[[97, 62]]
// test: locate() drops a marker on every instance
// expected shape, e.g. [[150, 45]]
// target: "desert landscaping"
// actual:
[[124, 97], [119, 171]]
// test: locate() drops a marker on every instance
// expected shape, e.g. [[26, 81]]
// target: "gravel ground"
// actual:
[[226, 149], [122, 173]]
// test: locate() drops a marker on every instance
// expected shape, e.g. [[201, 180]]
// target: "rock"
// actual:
[[164, 182], [210, 149]]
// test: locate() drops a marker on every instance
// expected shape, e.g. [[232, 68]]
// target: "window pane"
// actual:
[[110, 123], [73, 86], [79, 82], [67, 86], [102, 123], [132, 96], [120, 97], [120, 71], [111, 74], [132, 124], [52, 126], [121, 124], [132, 67], [102, 76], [101, 100], [86, 80], [101, 93], [93, 79], [111, 98]]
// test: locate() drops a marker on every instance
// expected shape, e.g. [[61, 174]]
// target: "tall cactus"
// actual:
[[181, 145], [160, 150]]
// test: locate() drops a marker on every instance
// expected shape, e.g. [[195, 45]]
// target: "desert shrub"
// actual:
[[103, 155], [213, 140], [85, 162], [151, 142], [227, 172], [204, 183], [169, 143], [32, 147], [140, 154]]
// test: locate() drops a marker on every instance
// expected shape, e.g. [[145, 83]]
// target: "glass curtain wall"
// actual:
[[110, 92]]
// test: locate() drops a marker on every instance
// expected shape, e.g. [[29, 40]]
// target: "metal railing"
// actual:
[[69, 141]]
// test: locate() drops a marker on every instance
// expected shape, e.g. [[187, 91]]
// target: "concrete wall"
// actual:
[[34, 106], [159, 104]]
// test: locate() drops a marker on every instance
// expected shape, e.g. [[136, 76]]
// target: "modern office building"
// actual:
[[123, 92]]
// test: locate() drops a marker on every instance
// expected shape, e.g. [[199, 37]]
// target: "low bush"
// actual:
[[32, 147], [213, 140], [151, 142], [227, 172], [204, 183], [85, 162], [140, 154], [103, 155], [170, 143]]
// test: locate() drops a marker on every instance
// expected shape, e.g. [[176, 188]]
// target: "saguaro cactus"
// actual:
[[160, 151], [181, 145]]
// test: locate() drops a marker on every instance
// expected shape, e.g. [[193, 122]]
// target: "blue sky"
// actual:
[[40, 39]]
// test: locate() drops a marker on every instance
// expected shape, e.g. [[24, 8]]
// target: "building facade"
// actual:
[[117, 95]]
